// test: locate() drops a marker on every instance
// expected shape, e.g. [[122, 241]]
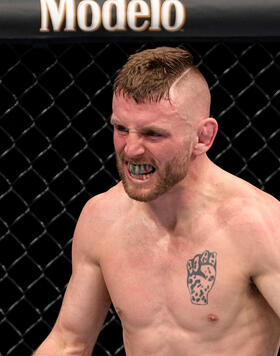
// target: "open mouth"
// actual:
[[141, 171]]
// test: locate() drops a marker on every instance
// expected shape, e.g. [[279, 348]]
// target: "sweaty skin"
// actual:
[[211, 236], [146, 277]]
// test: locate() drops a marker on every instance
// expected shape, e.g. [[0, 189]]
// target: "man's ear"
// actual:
[[206, 134]]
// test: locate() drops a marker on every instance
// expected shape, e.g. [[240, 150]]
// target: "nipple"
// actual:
[[212, 317]]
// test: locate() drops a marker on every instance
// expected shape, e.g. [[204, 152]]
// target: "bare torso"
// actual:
[[145, 269]]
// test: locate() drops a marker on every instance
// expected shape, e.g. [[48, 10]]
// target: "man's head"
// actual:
[[148, 75], [159, 89]]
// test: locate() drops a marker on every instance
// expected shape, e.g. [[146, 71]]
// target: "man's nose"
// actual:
[[134, 146]]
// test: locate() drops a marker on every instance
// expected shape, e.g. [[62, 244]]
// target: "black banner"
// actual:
[[163, 19]]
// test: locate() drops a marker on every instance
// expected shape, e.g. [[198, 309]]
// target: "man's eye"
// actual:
[[152, 134], [121, 128]]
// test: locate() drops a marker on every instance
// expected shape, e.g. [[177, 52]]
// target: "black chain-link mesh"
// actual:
[[56, 152]]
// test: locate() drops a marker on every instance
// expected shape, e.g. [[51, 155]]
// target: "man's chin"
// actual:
[[139, 196], [143, 194]]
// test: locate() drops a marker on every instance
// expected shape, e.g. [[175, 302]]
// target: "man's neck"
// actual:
[[186, 198]]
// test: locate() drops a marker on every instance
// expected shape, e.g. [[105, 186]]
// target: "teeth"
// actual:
[[140, 169]]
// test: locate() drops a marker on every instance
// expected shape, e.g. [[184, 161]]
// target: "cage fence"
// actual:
[[56, 152]]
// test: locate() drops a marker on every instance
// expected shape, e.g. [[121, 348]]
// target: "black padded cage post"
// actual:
[[56, 147]]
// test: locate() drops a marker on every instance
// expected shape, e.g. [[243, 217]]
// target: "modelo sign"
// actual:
[[114, 15]]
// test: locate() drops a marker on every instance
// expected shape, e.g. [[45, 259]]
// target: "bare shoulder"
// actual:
[[97, 219], [249, 218], [106, 206], [247, 205], [252, 218]]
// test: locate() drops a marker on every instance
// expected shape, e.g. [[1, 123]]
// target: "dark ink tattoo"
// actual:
[[201, 276]]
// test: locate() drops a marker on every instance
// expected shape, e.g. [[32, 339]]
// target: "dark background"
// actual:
[[56, 152]]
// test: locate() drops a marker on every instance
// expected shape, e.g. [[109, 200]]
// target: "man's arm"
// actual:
[[267, 256], [86, 301]]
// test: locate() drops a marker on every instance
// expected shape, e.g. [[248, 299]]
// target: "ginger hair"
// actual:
[[148, 75]]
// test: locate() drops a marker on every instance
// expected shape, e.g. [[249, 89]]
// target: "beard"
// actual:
[[168, 176]]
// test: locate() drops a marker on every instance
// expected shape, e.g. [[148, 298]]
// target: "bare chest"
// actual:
[[174, 282]]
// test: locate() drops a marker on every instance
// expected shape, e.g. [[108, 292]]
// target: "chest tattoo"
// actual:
[[201, 278]]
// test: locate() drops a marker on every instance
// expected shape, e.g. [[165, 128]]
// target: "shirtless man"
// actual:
[[188, 254]]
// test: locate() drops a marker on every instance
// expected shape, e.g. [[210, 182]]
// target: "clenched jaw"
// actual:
[[140, 171]]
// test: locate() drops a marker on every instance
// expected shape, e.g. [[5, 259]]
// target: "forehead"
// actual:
[[128, 112]]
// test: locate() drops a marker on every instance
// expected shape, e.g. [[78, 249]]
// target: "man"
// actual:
[[188, 254]]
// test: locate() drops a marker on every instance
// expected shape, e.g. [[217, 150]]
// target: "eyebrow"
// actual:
[[114, 121], [145, 129]]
